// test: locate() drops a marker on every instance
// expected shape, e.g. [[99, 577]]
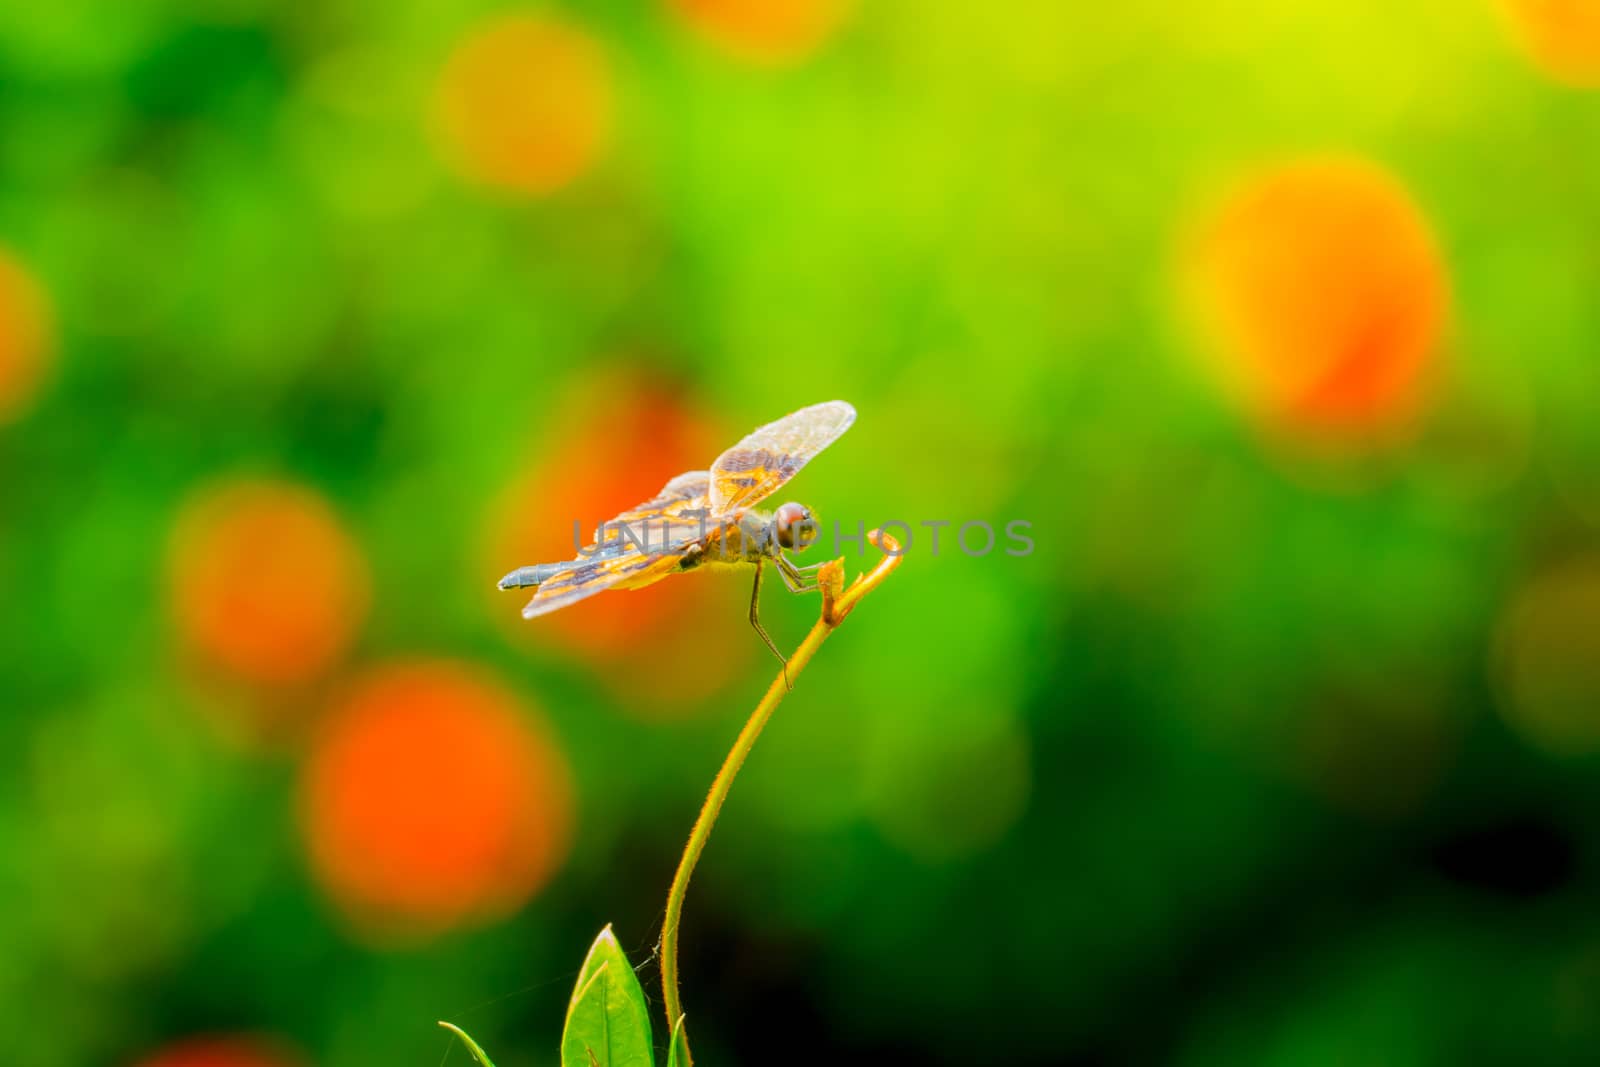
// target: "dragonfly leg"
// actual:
[[798, 579], [755, 620], [791, 580]]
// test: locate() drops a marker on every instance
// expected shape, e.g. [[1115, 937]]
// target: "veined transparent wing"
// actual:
[[753, 469], [680, 513], [660, 525]]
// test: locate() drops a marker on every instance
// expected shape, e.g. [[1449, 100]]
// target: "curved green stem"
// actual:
[[837, 602]]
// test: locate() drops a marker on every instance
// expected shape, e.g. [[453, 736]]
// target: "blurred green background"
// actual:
[[1278, 322]]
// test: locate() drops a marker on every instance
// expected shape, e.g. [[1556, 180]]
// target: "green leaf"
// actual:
[[678, 1051], [608, 1024], [472, 1046]]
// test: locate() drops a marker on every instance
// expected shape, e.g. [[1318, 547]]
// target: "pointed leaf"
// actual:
[[604, 950], [472, 1046], [678, 1051], [608, 1023]]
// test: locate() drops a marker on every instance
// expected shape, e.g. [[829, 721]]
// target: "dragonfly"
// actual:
[[704, 519]]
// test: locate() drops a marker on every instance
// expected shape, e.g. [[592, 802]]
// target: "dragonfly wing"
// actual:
[[754, 468], [639, 546], [675, 516], [588, 577]]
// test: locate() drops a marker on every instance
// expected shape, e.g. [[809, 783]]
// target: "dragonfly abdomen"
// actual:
[[535, 576]]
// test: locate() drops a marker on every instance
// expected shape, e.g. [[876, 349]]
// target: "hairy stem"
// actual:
[[837, 602]]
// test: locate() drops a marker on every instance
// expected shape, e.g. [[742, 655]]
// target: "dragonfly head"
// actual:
[[794, 525]]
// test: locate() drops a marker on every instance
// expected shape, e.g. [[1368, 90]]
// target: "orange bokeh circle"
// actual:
[[598, 467], [432, 798], [525, 103], [1322, 296], [664, 647], [265, 582], [765, 31], [1562, 36], [222, 1050], [26, 338]]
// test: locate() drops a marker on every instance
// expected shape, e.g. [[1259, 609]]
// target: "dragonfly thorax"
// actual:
[[755, 535]]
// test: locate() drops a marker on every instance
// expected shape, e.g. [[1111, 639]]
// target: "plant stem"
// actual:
[[837, 603], [713, 806]]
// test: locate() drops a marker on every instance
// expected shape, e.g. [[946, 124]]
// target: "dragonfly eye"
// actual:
[[795, 526]]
